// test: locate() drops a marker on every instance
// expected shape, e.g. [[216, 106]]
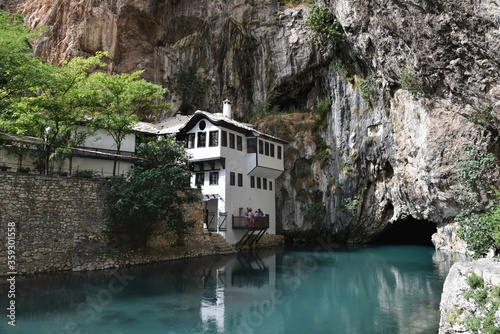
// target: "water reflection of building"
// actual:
[[212, 300], [231, 293]]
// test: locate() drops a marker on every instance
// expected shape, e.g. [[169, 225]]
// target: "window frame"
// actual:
[[223, 139], [211, 142], [201, 139], [214, 182], [232, 140], [200, 176]]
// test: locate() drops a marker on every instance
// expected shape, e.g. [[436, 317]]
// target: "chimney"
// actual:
[[226, 108]]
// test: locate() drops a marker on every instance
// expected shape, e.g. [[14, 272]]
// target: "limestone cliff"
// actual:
[[402, 86]]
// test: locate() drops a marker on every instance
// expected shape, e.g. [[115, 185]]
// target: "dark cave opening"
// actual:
[[408, 231]]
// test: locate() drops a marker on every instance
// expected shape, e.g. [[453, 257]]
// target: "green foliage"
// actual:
[[322, 109], [351, 204], [117, 99], [268, 107], [324, 24], [153, 193], [487, 300], [479, 219], [368, 90], [475, 281], [189, 88], [409, 81]]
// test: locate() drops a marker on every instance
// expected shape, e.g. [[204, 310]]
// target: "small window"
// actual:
[[264, 183], [240, 180], [232, 179], [231, 140], [261, 147], [223, 139], [252, 145], [259, 183], [239, 143], [272, 150], [270, 185], [213, 139], [200, 179], [202, 125], [202, 139], [252, 181], [279, 152], [190, 140], [214, 178], [266, 145]]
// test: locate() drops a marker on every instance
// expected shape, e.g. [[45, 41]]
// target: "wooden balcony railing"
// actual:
[[251, 223]]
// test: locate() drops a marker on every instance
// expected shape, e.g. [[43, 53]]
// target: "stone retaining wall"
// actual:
[[59, 225]]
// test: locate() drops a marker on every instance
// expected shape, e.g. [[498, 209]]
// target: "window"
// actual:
[[202, 125], [240, 180], [264, 183], [202, 139], [259, 183], [252, 145], [232, 180], [223, 139], [261, 147], [239, 143], [214, 178], [272, 150], [279, 152], [252, 181], [213, 138], [190, 140], [200, 179], [270, 185], [231, 140], [267, 148]]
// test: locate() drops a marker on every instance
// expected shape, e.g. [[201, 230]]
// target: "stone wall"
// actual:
[[59, 225]]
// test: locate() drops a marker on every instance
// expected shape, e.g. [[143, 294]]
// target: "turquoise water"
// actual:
[[368, 289]]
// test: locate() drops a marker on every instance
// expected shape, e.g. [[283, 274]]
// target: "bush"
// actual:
[[475, 281], [324, 24]]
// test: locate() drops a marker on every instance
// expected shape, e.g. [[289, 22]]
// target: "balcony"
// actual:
[[251, 223]]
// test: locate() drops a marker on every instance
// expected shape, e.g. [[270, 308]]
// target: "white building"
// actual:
[[236, 168]]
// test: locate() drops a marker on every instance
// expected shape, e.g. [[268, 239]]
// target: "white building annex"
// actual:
[[236, 168]]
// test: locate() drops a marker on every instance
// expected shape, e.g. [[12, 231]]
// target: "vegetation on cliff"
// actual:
[[479, 220]]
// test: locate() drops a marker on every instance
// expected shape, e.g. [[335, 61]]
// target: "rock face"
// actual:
[[402, 88], [455, 306]]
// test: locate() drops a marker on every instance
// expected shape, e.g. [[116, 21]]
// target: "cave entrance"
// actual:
[[408, 231]]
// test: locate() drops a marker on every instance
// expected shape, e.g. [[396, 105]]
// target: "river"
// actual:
[[324, 289]]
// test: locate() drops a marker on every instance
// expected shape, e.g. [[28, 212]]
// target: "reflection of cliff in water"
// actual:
[[371, 291]]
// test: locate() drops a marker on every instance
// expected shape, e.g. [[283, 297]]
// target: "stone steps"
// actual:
[[221, 245]]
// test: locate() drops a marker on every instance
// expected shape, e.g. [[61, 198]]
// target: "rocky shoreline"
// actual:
[[471, 298]]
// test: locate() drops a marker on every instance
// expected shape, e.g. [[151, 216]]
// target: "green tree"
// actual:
[[38, 99], [153, 193], [115, 100], [19, 71]]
